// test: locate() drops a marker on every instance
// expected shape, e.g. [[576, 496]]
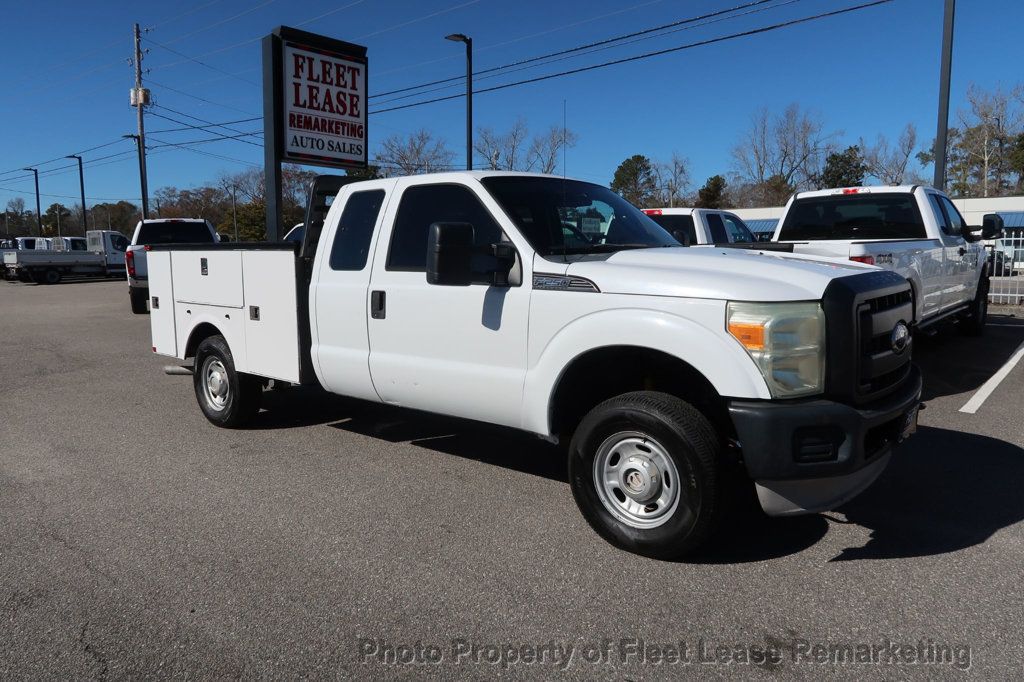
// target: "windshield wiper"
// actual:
[[600, 248]]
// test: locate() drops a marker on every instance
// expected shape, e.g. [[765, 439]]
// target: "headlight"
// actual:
[[785, 340]]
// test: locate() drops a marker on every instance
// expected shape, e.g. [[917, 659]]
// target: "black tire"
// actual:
[[669, 426], [52, 276], [138, 298], [977, 314], [237, 399]]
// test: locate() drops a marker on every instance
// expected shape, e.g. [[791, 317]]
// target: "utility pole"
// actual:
[[944, 70], [39, 213], [140, 98], [81, 186]]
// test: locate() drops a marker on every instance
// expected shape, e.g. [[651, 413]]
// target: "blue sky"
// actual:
[[67, 80]]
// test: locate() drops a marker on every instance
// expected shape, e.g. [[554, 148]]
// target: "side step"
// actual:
[[178, 370]]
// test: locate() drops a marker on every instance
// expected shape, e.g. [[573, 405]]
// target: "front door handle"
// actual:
[[377, 304], [961, 250]]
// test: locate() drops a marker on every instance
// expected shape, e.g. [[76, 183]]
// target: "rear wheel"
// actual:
[[977, 314], [227, 398], [52, 276], [138, 299], [645, 472]]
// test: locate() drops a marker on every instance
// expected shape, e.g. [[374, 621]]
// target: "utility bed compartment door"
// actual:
[[271, 314], [161, 304], [207, 277]]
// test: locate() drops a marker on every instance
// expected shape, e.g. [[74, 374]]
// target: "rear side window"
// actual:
[[717, 228], [183, 232], [863, 216], [679, 226], [738, 232], [424, 205], [355, 230]]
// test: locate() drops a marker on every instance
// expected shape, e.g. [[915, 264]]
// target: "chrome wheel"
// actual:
[[636, 479], [216, 386]]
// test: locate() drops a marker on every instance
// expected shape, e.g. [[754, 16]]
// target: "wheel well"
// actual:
[[604, 373], [202, 331]]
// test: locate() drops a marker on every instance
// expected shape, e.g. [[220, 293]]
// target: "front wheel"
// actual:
[[645, 472], [52, 276], [227, 398], [977, 314]]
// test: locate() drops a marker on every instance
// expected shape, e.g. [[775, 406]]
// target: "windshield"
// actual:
[[862, 216], [176, 232], [561, 217]]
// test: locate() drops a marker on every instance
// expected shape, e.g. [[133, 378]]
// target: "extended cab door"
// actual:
[[338, 294], [458, 350]]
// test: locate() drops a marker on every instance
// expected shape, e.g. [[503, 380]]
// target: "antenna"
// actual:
[[563, 138]]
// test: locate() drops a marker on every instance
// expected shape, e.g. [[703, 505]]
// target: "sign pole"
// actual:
[[272, 143]]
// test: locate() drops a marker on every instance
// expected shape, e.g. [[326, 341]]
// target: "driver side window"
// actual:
[[954, 220], [422, 206]]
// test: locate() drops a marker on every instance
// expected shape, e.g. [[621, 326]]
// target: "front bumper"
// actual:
[[813, 455]]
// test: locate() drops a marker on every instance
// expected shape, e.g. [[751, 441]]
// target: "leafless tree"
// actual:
[[985, 126], [888, 162], [786, 150], [509, 151], [673, 180], [420, 152]]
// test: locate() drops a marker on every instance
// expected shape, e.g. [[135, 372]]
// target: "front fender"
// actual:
[[699, 339]]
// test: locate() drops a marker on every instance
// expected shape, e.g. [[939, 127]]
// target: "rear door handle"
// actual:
[[377, 304]]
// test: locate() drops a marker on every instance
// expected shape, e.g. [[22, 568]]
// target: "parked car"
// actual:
[[914, 231], [694, 226], [662, 368], [159, 231]]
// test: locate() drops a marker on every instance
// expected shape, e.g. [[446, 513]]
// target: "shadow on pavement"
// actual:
[[953, 363], [944, 491], [495, 445]]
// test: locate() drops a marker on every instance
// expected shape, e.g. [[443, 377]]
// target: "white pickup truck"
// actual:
[[914, 231], [159, 231], [482, 295], [99, 254], [702, 226]]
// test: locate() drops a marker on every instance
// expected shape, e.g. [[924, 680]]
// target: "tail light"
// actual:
[[869, 260], [129, 262], [652, 211]]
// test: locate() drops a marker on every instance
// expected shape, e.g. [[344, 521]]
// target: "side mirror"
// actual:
[[991, 226], [450, 254]]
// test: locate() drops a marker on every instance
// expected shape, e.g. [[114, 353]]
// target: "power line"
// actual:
[[238, 138], [578, 48], [210, 124], [196, 97], [205, 153], [202, 63], [622, 41], [647, 55], [64, 156], [204, 127], [222, 21]]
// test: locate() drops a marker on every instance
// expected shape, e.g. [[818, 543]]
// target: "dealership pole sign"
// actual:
[[314, 107]]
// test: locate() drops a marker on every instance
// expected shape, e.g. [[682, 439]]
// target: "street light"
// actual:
[[81, 185], [460, 38], [39, 216]]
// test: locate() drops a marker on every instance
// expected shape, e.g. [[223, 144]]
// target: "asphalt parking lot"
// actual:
[[343, 539]]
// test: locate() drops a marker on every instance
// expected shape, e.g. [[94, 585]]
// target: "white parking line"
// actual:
[[978, 399]]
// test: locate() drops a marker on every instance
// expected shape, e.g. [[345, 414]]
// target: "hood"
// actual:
[[717, 273]]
